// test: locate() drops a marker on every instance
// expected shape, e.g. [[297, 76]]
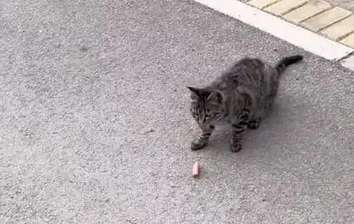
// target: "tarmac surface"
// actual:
[[95, 124]]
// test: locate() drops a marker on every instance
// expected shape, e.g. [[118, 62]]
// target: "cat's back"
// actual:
[[245, 71], [245, 66]]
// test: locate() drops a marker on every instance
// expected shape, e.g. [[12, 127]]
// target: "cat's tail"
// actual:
[[285, 62]]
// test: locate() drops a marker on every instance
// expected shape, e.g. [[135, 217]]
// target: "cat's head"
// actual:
[[207, 105]]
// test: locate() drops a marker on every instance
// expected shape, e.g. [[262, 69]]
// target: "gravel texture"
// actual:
[[95, 125]]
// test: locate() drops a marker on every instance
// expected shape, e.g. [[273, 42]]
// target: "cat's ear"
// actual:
[[215, 96], [195, 92]]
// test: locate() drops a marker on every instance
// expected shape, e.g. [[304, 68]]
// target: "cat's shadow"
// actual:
[[252, 139]]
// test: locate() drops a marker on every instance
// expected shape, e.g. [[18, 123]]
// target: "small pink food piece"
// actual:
[[196, 169]]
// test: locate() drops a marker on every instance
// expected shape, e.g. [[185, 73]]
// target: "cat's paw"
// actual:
[[198, 144], [254, 124], [235, 146]]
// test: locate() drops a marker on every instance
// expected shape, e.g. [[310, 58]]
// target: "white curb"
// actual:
[[278, 27], [348, 62]]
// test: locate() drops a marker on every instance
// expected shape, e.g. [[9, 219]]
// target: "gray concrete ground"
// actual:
[[95, 125]]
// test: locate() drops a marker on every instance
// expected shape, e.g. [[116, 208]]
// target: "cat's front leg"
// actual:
[[203, 139], [238, 129]]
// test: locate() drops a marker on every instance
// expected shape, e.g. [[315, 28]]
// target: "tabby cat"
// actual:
[[241, 96]]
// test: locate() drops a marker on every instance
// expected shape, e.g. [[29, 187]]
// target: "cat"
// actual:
[[242, 96]]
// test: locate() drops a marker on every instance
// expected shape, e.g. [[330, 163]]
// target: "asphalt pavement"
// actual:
[[95, 124]]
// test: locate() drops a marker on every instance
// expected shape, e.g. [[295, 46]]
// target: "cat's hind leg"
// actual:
[[254, 123], [261, 112], [255, 120]]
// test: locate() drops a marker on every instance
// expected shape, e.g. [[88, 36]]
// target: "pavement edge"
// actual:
[[280, 28]]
